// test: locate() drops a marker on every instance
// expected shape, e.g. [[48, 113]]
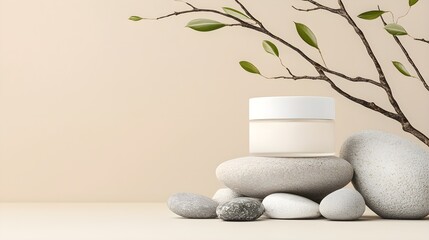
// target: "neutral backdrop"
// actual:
[[94, 107]]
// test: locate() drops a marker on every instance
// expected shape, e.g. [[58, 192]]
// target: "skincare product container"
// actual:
[[292, 126]]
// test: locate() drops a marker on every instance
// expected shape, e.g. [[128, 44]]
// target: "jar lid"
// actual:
[[292, 107]]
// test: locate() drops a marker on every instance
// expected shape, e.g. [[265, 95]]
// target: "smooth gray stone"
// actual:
[[391, 173], [259, 177], [190, 205], [240, 209], [345, 204], [223, 195], [290, 206]]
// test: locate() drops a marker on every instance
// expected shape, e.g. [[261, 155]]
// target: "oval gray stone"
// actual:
[[391, 173], [258, 177], [223, 195], [190, 205], [290, 206], [344, 205], [240, 209]]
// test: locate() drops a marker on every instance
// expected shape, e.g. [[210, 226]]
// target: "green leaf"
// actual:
[[135, 18], [204, 25], [235, 13], [270, 48], [412, 2], [249, 67], [401, 68], [370, 15], [395, 29], [306, 34]]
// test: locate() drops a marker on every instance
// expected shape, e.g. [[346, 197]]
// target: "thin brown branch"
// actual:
[[407, 55], [187, 3], [354, 79], [316, 65], [370, 105], [249, 13], [385, 85], [407, 127], [339, 12], [294, 77], [306, 9], [202, 10], [311, 61], [233, 25], [318, 7], [422, 40]]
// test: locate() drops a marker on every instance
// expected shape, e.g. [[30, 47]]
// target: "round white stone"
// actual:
[[290, 206], [225, 195], [258, 177], [343, 204], [391, 173]]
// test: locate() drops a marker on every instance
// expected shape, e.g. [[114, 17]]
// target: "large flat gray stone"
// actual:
[[258, 177]]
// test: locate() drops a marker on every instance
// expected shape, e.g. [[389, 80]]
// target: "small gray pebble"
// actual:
[[344, 204], [240, 209], [190, 205]]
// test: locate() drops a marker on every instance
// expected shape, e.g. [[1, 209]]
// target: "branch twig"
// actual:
[[306, 9], [421, 40], [249, 14], [370, 105], [355, 79], [320, 7], [295, 77], [402, 119], [382, 78], [399, 116], [190, 5], [407, 55]]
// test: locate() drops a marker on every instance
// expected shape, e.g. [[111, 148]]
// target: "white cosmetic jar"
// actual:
[[292, 126]]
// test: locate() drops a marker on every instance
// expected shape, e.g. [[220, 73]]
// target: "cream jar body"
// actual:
[[292, 126]]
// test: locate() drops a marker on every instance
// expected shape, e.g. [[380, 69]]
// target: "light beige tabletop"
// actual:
[[151, 221]]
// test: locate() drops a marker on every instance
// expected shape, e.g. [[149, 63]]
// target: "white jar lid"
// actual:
[[291, 107]]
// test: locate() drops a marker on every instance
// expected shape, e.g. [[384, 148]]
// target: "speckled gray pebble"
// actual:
[[258, 177], [345, 204], [190, 205], [240, 209], [225, 195], [391, 173]]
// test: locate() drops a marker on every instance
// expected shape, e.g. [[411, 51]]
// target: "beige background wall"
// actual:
[[94, 107]]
